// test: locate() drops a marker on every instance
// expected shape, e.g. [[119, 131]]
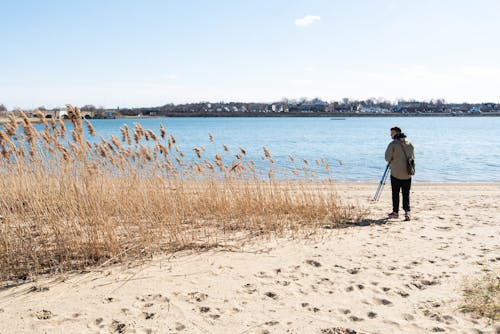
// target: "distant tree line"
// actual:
[[347, 105], [285, 105]]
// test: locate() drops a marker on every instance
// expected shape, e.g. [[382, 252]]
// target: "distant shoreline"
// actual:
[[313, 114], [4, 120]]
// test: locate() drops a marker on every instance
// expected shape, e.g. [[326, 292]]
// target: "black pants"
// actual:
[[398, 185]]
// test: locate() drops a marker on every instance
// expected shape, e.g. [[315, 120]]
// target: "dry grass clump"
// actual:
[[67, 202], [482, 297]]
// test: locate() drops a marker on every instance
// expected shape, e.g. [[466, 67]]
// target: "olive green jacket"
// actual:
[[395, 156]]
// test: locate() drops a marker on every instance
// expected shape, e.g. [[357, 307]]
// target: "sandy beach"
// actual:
[[381, 276]]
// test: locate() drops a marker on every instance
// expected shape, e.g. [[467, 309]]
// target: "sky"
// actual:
[[152, 52]]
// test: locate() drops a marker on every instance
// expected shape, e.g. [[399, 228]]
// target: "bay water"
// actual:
[[447, 149]]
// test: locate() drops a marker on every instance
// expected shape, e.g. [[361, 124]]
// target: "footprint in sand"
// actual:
[[313, 263], [449, 319], [353, 271], [407, 317], [421, 284], [148, 315], [271, 295], [262, 274], [149, 301], [382, 301], [153, 298], [118, 327], [249, 288], [402, 293], [325, 280], [179, 326], [313, 309], [204, 309], [437, 329], [38, 288], [283, 283], [338, 330], [43, 315], [272, 323], [110, 299], [197, 297]]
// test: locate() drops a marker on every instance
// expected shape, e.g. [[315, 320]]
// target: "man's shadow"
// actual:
[[368, 222], [363, 222]]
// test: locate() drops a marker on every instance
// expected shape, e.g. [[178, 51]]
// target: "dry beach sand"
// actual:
[[380, 277]]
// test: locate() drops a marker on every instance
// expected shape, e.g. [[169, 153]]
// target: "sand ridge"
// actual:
[[383, 276]]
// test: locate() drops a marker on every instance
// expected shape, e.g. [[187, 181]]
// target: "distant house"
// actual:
[[409, 107], [279, 107], [474, 110], [373, 110], [318, 106], [489, 107], [344, 108], [459, 107]]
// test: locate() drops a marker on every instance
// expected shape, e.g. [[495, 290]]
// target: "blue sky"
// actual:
[[152, 52]]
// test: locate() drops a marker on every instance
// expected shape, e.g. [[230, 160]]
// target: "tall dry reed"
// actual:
[[67, 203]]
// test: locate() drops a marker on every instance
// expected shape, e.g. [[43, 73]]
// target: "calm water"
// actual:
[[446, 149]]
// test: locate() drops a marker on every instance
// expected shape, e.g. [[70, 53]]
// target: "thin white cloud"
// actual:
[[307, 20]]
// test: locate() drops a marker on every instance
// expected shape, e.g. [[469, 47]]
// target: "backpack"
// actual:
[[410, 162]]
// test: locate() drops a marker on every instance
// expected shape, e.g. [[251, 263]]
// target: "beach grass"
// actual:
[[67, 203], [481, 297]]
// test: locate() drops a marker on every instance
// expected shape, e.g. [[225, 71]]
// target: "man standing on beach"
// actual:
[[397, 154]]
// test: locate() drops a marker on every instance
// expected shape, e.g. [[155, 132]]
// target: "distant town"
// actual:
[[285, 107]]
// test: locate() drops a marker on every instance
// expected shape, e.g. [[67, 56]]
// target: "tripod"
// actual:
[[381, 184]]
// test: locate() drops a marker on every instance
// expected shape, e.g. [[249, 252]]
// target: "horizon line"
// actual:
[[302, 99]]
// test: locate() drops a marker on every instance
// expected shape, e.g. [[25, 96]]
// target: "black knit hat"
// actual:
[[397, 129]]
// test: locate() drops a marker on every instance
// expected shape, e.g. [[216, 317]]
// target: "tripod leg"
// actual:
[[378, 193], [375, 197], [385, 179]]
